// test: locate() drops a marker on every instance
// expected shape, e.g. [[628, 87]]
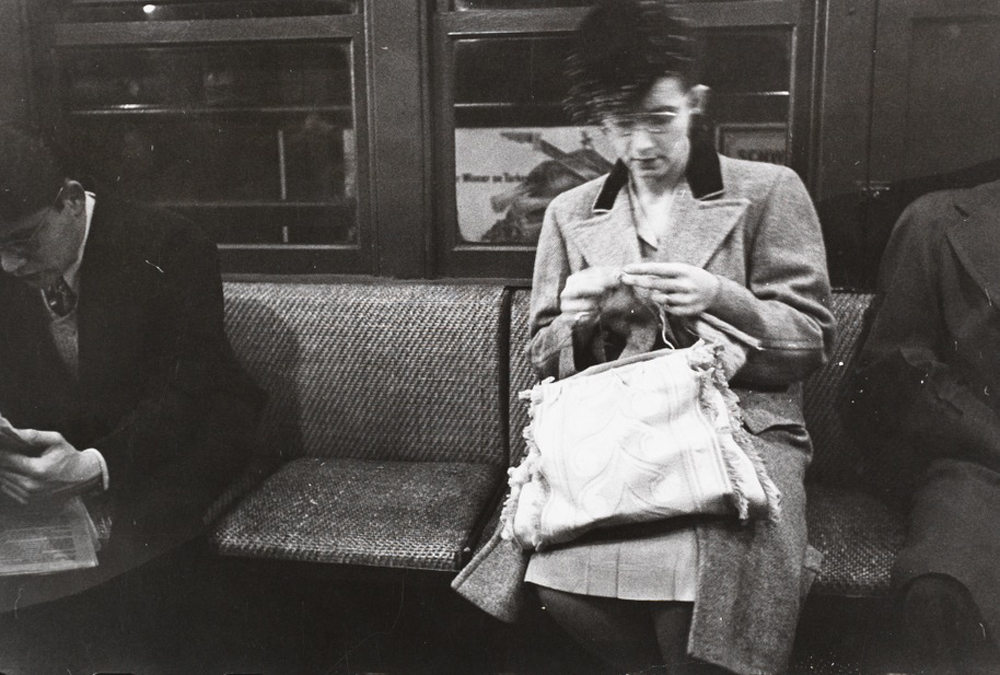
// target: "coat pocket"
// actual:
[[758, 419]]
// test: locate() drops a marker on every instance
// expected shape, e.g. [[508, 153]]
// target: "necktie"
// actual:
[[60, 298]]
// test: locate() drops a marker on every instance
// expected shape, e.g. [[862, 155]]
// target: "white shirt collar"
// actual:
[[72, 274], [651, 229]]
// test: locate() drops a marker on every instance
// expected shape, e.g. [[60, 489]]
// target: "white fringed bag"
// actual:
[[644, 438]]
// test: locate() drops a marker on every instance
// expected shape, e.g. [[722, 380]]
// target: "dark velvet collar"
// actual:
[[703, 173]]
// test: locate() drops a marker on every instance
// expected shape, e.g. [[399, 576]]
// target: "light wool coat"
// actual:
[[754, 226]]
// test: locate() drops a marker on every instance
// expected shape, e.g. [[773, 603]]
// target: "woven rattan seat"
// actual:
[[415, 515], [384, 415], [522, 376], [827, 393], [859, 537]]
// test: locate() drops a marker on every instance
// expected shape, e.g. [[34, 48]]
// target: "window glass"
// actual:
[[518, 4], [171, 10], [532, 4], [749, 72], [256, 142], [515, 148]]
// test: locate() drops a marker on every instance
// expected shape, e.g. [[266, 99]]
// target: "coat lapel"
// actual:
[[975, 236], [701, 226], [40, 388], [607, 237], [704, 217]]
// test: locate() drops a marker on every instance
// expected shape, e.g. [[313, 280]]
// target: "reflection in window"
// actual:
[[509, 80], [257, 142], [211, 77], [519, 4], [534, 4]]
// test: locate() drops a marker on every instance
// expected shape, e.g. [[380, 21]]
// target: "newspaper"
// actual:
[[43, 539]]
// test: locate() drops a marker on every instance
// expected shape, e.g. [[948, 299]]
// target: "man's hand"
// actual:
[[682, 289], [53, 470]]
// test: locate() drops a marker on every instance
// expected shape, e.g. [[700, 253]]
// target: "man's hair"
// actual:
[[621, 48], [30, 175]]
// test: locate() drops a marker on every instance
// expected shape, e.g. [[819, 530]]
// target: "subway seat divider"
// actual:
[[393, 416]]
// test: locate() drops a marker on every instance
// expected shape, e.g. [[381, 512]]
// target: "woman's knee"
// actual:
[[611, 629]]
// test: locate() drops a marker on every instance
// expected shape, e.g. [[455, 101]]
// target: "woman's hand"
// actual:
[[682, 289], [587, 289]]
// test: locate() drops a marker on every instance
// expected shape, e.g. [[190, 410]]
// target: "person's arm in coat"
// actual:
[[562, 343], [183, 386], [905, 388], [785, 304]]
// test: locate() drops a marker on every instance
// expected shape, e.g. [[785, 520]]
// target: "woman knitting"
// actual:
[[724, 249]]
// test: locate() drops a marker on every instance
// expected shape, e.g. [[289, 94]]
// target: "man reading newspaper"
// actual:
[[52, 536], [117, 383]]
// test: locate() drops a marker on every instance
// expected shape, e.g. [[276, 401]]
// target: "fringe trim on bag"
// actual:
[[771, 491], [738, 497], [708, 369], [714, 379], [529, 470]]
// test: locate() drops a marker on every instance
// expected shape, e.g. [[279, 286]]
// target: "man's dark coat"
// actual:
[[159, 392], [929, 386]]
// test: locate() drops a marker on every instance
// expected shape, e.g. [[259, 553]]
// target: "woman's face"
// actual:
[[652, 140]]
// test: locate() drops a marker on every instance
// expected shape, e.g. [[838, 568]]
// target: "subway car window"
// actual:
[[256, 143], [462, 5], [278, 125], [749, 72], [516, 149]]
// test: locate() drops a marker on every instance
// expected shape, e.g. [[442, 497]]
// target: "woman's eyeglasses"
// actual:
[[651, 122]]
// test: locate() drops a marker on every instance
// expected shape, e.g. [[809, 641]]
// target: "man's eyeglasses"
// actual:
[[651, 122], [26, 242]]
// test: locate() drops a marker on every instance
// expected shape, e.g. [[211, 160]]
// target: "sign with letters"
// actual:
[[505, 178], [756, 142]]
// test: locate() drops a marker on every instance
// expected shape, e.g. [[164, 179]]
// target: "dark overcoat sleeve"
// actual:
[[189, 429], [906, 387]]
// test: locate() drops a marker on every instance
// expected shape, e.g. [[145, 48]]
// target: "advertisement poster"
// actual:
[[504, 178]]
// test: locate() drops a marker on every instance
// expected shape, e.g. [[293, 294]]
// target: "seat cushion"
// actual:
[[382, 370], [828, 394], [859, 537], [417, 515]]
